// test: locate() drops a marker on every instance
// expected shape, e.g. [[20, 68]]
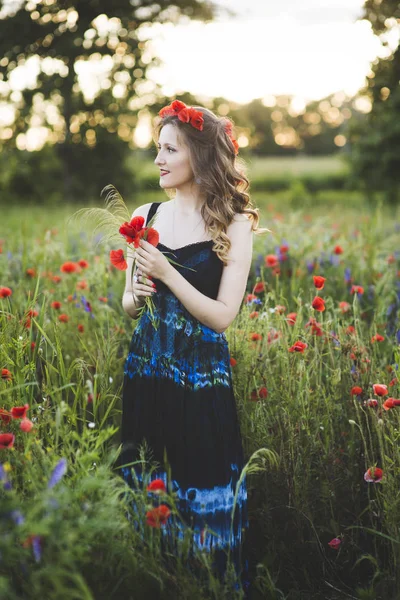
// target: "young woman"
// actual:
[[177, 393]]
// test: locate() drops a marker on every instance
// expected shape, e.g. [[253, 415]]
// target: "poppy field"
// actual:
[[315, 351]]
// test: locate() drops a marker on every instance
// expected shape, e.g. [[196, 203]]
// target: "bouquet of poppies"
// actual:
[[108, 221]]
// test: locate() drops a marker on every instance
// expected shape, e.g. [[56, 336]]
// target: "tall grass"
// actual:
[[307, 488]]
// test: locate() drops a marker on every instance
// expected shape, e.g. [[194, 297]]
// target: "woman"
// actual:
[[177, 392]]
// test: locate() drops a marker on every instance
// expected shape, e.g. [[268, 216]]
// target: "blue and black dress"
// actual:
[[178, 398]]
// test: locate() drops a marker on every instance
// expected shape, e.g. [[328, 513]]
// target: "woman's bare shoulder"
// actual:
[[142, 211], [241, 217]]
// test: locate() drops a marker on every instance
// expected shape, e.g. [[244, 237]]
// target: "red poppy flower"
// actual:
[[259, 287], [344, 307], [5, 416], [298, 347], [117, 259], [371, 402], [233, 361], [158, 516], [255, 395], [273, 335], [6, 374], [390, 403], [373, 475], [157, 486], [280, 309], [81, 328], [338, 250], [228, 126], [271, 260], [318, 304], [7, 440], [56, 304], [69, 267], [356, 390], [235, 146], [377, 338], [255, 336], [335, 543], [393, 382], [83, 263], [33, 345], [356, 289], [131, 229], [254, 314], [19, 412], [82, 285], [250, 297], [291, 318], [5, 292], [63, 318], [31, 272], [350, 329], [380, 389], [152, 236], [319, 281], [192, 116], [26, 425], [103, 298], [172, 109]]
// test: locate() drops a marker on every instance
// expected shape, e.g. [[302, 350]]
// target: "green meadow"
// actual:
[[315, 368]]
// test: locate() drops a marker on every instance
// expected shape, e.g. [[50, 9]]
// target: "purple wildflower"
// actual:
[[310, 266], [335, 338], [257, 265], [36, 546], [86, 304], [371, 292], [17, 517], [335, 260], [347, 275], [58, 473]]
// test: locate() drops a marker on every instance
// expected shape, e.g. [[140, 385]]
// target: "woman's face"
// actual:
[[173, 159]]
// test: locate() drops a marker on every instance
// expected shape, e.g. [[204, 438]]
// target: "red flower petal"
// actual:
[[7, 440], [19, 412], [117, 259], [157, 486]]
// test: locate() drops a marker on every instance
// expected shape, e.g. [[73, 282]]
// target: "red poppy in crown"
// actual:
[[186, 114]]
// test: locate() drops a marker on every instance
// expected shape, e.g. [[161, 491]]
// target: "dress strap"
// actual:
[[152, 210]]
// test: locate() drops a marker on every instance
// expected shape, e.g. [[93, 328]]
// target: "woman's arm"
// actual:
[[218, 314]]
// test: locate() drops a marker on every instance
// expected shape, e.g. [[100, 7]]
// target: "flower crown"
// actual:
[[188, 114]]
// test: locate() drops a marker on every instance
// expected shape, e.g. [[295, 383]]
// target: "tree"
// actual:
[[93, 135], [376, 140]]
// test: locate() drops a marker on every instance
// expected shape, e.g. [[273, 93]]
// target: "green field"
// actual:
[[310, 435]]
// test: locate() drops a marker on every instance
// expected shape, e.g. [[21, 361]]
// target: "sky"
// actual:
[[309, 49]]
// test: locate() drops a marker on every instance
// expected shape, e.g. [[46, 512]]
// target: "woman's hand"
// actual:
[[151, 261], [142, 286]]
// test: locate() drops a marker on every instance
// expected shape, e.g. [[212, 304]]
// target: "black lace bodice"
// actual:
[[206, 276]]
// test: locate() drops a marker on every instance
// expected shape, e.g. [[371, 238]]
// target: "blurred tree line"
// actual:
[[88, 142], [376, 139]]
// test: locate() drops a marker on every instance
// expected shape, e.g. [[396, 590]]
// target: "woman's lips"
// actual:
[[162, 173]]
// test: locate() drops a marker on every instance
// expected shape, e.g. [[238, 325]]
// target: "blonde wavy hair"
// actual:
[[219, 172]]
